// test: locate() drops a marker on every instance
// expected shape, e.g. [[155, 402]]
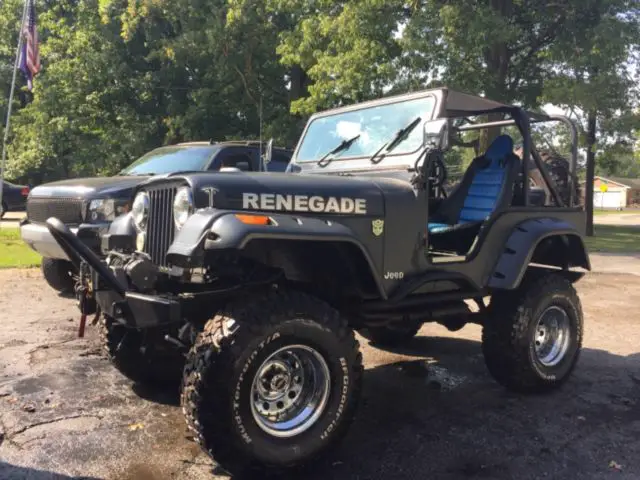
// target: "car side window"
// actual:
[[233, 158], [279, 162]]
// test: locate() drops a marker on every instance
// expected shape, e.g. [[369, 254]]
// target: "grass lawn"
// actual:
[[597, 212], [14, 252], [614, 239]]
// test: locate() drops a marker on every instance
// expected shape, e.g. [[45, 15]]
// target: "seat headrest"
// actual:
[[499, 148]]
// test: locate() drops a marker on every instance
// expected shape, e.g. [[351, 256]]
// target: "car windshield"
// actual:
[[375, 125], [172, 159]]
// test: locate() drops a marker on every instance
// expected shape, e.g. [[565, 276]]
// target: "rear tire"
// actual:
[[532, 338], [242, 369], [3, 209], [142, 356], [58, 274]]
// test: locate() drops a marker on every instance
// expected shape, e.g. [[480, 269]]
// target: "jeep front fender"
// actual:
[[563, 247], [222, 230]]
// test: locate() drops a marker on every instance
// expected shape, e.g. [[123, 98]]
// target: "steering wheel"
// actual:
[[437, 171], [433, 171]]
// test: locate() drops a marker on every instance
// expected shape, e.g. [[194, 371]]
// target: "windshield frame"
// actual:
[[212, 149], [392, 157]]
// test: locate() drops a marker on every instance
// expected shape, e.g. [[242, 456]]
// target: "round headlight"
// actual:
[[182, 206], [140, 211]]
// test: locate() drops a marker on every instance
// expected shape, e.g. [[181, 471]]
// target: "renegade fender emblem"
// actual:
[[377, 226]]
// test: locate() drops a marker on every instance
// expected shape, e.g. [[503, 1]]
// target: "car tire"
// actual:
[[142, 356], [58, 274], [531, 339], [249, 360], [3, 209], [559, 170], [391, 335]]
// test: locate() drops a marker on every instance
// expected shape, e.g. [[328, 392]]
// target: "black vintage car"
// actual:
[[14, 198], [244, 290], [88, 205]]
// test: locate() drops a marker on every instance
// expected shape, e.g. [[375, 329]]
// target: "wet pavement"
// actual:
[[429, 410]]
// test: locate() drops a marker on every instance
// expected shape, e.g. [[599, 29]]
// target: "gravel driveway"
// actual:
[[429, 410]]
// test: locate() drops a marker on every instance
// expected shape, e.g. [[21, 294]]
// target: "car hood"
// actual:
[[92, 187], [285, 192]]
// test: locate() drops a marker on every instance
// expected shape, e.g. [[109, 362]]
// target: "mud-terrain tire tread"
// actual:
[[507, 325], [151, 369], [217, 344], [56, 274]]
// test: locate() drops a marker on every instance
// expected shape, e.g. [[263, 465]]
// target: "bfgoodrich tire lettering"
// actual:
[[222, 364], [509, 334]]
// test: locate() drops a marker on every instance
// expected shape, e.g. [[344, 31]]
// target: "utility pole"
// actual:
[[13, 87]]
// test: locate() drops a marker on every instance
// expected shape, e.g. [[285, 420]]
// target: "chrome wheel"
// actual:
[[290, 391], [552, 336]]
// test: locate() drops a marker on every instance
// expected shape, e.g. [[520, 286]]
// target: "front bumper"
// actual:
[[39, 238]]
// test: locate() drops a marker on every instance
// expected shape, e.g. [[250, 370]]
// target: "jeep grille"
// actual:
[[67, 210], [161, 229]]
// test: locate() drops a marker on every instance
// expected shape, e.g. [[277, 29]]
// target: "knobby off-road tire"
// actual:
[[58, 274], [520, 325], [144, 357], [559, 170], [244, 343], [391, 335]]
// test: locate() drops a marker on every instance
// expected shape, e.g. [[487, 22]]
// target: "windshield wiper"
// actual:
[[345, 144], [400, 136]]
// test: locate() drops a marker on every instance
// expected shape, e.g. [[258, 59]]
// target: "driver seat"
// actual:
[[486, 188]]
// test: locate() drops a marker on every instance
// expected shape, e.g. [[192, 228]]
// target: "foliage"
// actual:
[[121, 77]]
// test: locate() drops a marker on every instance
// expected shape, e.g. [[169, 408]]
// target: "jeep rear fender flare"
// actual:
[[565, 249], [222, 230]]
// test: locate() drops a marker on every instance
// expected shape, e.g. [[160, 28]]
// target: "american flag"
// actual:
[[30, 55]]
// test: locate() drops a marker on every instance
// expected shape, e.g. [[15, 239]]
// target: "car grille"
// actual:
[[67, 210], [160, 229]]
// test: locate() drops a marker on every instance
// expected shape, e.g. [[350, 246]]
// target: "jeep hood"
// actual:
[[93, 187], [298, 193]]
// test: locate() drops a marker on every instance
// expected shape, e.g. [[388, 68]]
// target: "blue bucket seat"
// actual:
[[486, 188]]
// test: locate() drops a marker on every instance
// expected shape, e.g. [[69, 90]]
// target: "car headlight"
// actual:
[[106, 210], [182, 206], [140, 211]]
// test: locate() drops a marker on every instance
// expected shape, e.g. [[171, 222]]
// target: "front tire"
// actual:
[[254, 371], [532, 338], [58, 274], [142, 356]]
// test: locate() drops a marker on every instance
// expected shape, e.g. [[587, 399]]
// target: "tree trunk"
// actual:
[[591, 167], [497, 58]]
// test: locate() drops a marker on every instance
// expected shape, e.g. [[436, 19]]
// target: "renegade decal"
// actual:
[[304, 203]]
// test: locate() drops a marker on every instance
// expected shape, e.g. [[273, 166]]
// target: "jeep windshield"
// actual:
[[376, 125], [177, 158]]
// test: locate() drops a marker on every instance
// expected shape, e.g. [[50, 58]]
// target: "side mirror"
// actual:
[[268, 154], [436, 134]]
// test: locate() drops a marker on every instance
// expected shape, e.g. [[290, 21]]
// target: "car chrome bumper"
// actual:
[[38, 237]]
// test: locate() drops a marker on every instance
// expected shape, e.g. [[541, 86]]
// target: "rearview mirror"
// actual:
[[436, 134]]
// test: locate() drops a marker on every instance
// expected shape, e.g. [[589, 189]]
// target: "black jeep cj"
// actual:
[[260, 279]]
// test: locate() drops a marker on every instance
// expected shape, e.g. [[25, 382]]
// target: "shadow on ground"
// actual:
[[13, 472], [442, 416]]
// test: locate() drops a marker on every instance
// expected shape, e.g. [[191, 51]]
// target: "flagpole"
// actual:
[[9, 107]]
